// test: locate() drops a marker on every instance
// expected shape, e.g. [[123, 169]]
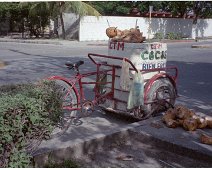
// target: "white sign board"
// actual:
[[142, 55]]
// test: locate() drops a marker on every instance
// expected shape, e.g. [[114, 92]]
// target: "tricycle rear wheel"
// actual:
[[69, 99]]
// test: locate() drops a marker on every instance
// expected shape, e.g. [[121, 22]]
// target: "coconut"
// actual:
[[190, 124], [206, 139], [111, 32], [209, 121]]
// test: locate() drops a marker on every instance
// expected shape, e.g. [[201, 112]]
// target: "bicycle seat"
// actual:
[[74, 65]]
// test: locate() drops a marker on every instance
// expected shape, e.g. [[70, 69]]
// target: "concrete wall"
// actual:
[[165, 25], [203, 28], [71, 23], [93, 28]]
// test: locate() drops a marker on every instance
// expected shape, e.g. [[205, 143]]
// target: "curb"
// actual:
[[173, 147], [81, 147], [99, 141], [89, 43], [178, 41], [31, 41], [202, 46]]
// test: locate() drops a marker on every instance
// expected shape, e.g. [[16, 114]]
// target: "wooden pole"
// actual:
[[150, 18], [108, 23], [136, 23]]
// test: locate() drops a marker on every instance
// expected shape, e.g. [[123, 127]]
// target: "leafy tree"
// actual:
[[12, 12], [143, 6], [38, 14], [112, 7], [37, 17], [198, 8], [179, 7], [58, 8], [123, 8], [77, 7], [201, 8]]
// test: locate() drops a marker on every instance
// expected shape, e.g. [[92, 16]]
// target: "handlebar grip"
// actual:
[[77, 64]]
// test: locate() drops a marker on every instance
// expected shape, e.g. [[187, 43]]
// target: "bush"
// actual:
[[28, 113], [173, 36], [159, 36], [170, 35], [64, 164]]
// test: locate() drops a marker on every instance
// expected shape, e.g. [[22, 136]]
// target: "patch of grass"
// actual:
[[28, 112], [159, 36], [64, 164]]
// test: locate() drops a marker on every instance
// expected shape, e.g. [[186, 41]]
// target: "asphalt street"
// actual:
[[194, 82], [32, 62]]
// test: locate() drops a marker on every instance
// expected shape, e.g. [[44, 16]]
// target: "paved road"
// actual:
[[194, 83], [30, 62]]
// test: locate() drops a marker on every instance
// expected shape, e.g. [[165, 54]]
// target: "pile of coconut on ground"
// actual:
[[180, 116]]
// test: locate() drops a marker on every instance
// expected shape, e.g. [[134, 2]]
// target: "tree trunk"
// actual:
[[62, 22], [63, 27], [195, 19]]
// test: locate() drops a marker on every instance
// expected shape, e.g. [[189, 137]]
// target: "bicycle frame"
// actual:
[[77, 80]]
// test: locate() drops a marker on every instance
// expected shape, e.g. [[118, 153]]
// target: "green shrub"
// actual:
[[28, 113], [170, 35], [159, 36], [173, 36], [178, 36], [64, 164]]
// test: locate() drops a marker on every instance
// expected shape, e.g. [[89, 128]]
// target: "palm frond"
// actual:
[[39, 8], [24, 4], [80, 8], [90, 10]]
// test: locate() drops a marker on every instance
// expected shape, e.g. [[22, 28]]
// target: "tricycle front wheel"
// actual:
[[161, 96]]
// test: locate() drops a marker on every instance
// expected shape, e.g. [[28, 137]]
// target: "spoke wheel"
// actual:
[[69, 100], [162, 96]]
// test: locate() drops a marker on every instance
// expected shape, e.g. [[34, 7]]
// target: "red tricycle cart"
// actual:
[[159, 80]]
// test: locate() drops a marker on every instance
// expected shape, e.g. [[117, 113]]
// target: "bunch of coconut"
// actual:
[[186, 118], [133, 35]]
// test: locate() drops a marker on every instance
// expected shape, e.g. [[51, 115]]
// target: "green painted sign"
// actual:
[[153, 55]]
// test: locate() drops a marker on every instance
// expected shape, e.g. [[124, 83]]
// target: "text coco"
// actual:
[[153, 55]]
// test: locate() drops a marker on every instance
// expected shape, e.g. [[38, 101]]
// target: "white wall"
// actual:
[[203, 28], [71, 24], [92, 28]]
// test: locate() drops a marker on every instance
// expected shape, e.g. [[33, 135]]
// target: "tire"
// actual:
[[71, 98], [68, 100], [163, 93]]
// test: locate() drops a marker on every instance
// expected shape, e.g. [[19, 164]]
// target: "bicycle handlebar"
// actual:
[[77, 64], [111, 57]]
